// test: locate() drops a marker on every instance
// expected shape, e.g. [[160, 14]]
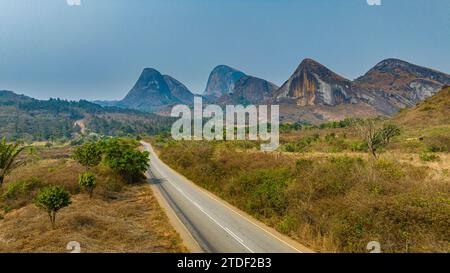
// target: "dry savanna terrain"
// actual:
[[118, 218], [324, 188]]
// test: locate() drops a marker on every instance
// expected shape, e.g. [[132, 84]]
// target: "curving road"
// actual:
[[215, 225]]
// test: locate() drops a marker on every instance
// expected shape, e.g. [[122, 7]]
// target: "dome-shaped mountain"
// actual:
[[314, 84], [222, 81], [399, 78], [153, 91]]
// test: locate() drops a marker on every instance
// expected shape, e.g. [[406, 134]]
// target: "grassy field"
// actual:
[[119, 217]]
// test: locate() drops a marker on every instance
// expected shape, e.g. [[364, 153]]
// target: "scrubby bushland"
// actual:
[[113, 220], [331, 203]]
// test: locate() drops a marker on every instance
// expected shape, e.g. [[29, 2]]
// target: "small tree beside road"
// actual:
[[52, 199]]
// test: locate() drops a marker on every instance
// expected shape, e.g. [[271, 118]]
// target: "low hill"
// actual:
[[433, 111]]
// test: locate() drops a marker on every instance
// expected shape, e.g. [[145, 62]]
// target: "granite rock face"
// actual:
[[400, 83], [314, 84], [389, 86]]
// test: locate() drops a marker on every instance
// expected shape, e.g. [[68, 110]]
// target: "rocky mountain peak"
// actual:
[[400, 78], [151, 79], [314, 84], [153, 91], [222, 80]]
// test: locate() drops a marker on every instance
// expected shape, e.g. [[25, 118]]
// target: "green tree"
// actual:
[[87, 182], [52, 199], [89, 154], [122, 156], [9, 158]]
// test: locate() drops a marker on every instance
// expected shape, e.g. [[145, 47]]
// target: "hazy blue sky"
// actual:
[[97, 50]]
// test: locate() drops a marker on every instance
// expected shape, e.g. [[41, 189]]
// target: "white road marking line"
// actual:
[[234, 235], [239, 240]]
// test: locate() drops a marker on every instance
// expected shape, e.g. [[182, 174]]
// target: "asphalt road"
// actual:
[[215, 225]]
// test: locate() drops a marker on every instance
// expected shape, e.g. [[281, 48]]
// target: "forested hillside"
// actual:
[[25, 118]]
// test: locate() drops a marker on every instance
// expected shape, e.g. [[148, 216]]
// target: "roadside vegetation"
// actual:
[[331, 202], [337, 186], [66, 194]]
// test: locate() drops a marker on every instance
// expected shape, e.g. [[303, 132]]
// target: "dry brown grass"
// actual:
[[119, 217], [133, 222], [330, 202], [440, 167]]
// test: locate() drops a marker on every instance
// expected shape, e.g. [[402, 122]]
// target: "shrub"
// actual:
[[289, 147], [358, 146], [429, 157], [445, 172], [337, 145], [52, 199], [303, 164], [265, 191], [7, 209], [438, 143], [330, 137], [388, 170], [87, 182], [21, 187]]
